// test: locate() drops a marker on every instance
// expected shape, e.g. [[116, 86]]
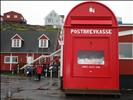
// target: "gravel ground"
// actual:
[[24, 88]]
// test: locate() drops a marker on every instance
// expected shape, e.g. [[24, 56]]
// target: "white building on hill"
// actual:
[[54, 19]]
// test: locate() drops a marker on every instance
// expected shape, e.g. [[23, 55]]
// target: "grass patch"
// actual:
[[9, 73], [23, 27]]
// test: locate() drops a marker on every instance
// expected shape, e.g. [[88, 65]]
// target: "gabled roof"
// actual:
[[31, 43], [43, 36], [12, 12], [16, 36], [52, 12]]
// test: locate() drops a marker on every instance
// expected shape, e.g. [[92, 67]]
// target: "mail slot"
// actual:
[[90, 56]]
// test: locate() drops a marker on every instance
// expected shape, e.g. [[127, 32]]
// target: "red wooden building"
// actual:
[[126, 55], [13, 17], [25, 46]]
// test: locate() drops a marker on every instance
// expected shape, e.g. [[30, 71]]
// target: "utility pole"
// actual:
[[62, 44]]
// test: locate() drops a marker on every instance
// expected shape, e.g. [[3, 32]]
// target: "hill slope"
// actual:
[[24, 27]]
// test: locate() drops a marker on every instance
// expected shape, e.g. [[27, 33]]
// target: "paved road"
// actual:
[[23, 88]]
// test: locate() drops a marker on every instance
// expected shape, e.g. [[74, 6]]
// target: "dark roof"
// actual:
[[12, 12], [30, 43]]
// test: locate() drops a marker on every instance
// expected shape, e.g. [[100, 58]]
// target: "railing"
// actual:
[[42, 56]]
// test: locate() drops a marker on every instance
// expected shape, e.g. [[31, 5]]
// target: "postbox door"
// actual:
[[90, 57]]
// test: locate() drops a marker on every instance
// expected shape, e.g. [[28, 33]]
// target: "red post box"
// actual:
[[90, 56]]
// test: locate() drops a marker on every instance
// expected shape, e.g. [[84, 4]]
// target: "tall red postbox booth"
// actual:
[[90, 56]]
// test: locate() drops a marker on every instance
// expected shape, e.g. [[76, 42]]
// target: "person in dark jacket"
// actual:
[[29, 71]]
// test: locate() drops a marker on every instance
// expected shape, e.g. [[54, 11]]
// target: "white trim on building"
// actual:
[[127, 32]]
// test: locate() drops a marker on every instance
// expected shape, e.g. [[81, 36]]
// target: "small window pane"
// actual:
[[17, 43], [8, 16], [91, 57], [15, 16], [125, 50], [7, 59], [43, 43], [14, 59], [49, 20]]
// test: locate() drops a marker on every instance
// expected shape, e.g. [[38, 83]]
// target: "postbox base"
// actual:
[[126, 82], [99, 92]]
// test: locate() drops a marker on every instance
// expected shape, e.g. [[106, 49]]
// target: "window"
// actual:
[[1, 19], [125, 50], [10, 59], [22, 18], [8, 16], [91, 10], [54, 15], [16, 43], [43, 43], [90, 57], [57, 20], [30, 59], [51, 14], [50, 20], [15, 16]]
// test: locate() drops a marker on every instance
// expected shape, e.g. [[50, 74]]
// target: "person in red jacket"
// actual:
[[39, 72]]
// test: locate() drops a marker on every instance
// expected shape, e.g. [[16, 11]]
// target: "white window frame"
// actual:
[[128, 58], [7, 16], [11, 59], [16, 43], [41, 43], [15, 16]]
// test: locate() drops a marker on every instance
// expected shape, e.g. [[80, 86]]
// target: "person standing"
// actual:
[[39, 72]]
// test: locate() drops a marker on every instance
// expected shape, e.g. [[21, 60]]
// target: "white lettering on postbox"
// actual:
[[91, 31]]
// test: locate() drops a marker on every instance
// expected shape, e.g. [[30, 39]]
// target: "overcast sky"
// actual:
[[35, 11]]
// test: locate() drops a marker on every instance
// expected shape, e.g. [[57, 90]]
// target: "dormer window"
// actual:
[[16, 41], [43, 41]]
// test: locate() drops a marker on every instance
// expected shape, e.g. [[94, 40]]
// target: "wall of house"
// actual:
[[22, 58], [12, 66], [3, 65], [126, 65], [126, 38]]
